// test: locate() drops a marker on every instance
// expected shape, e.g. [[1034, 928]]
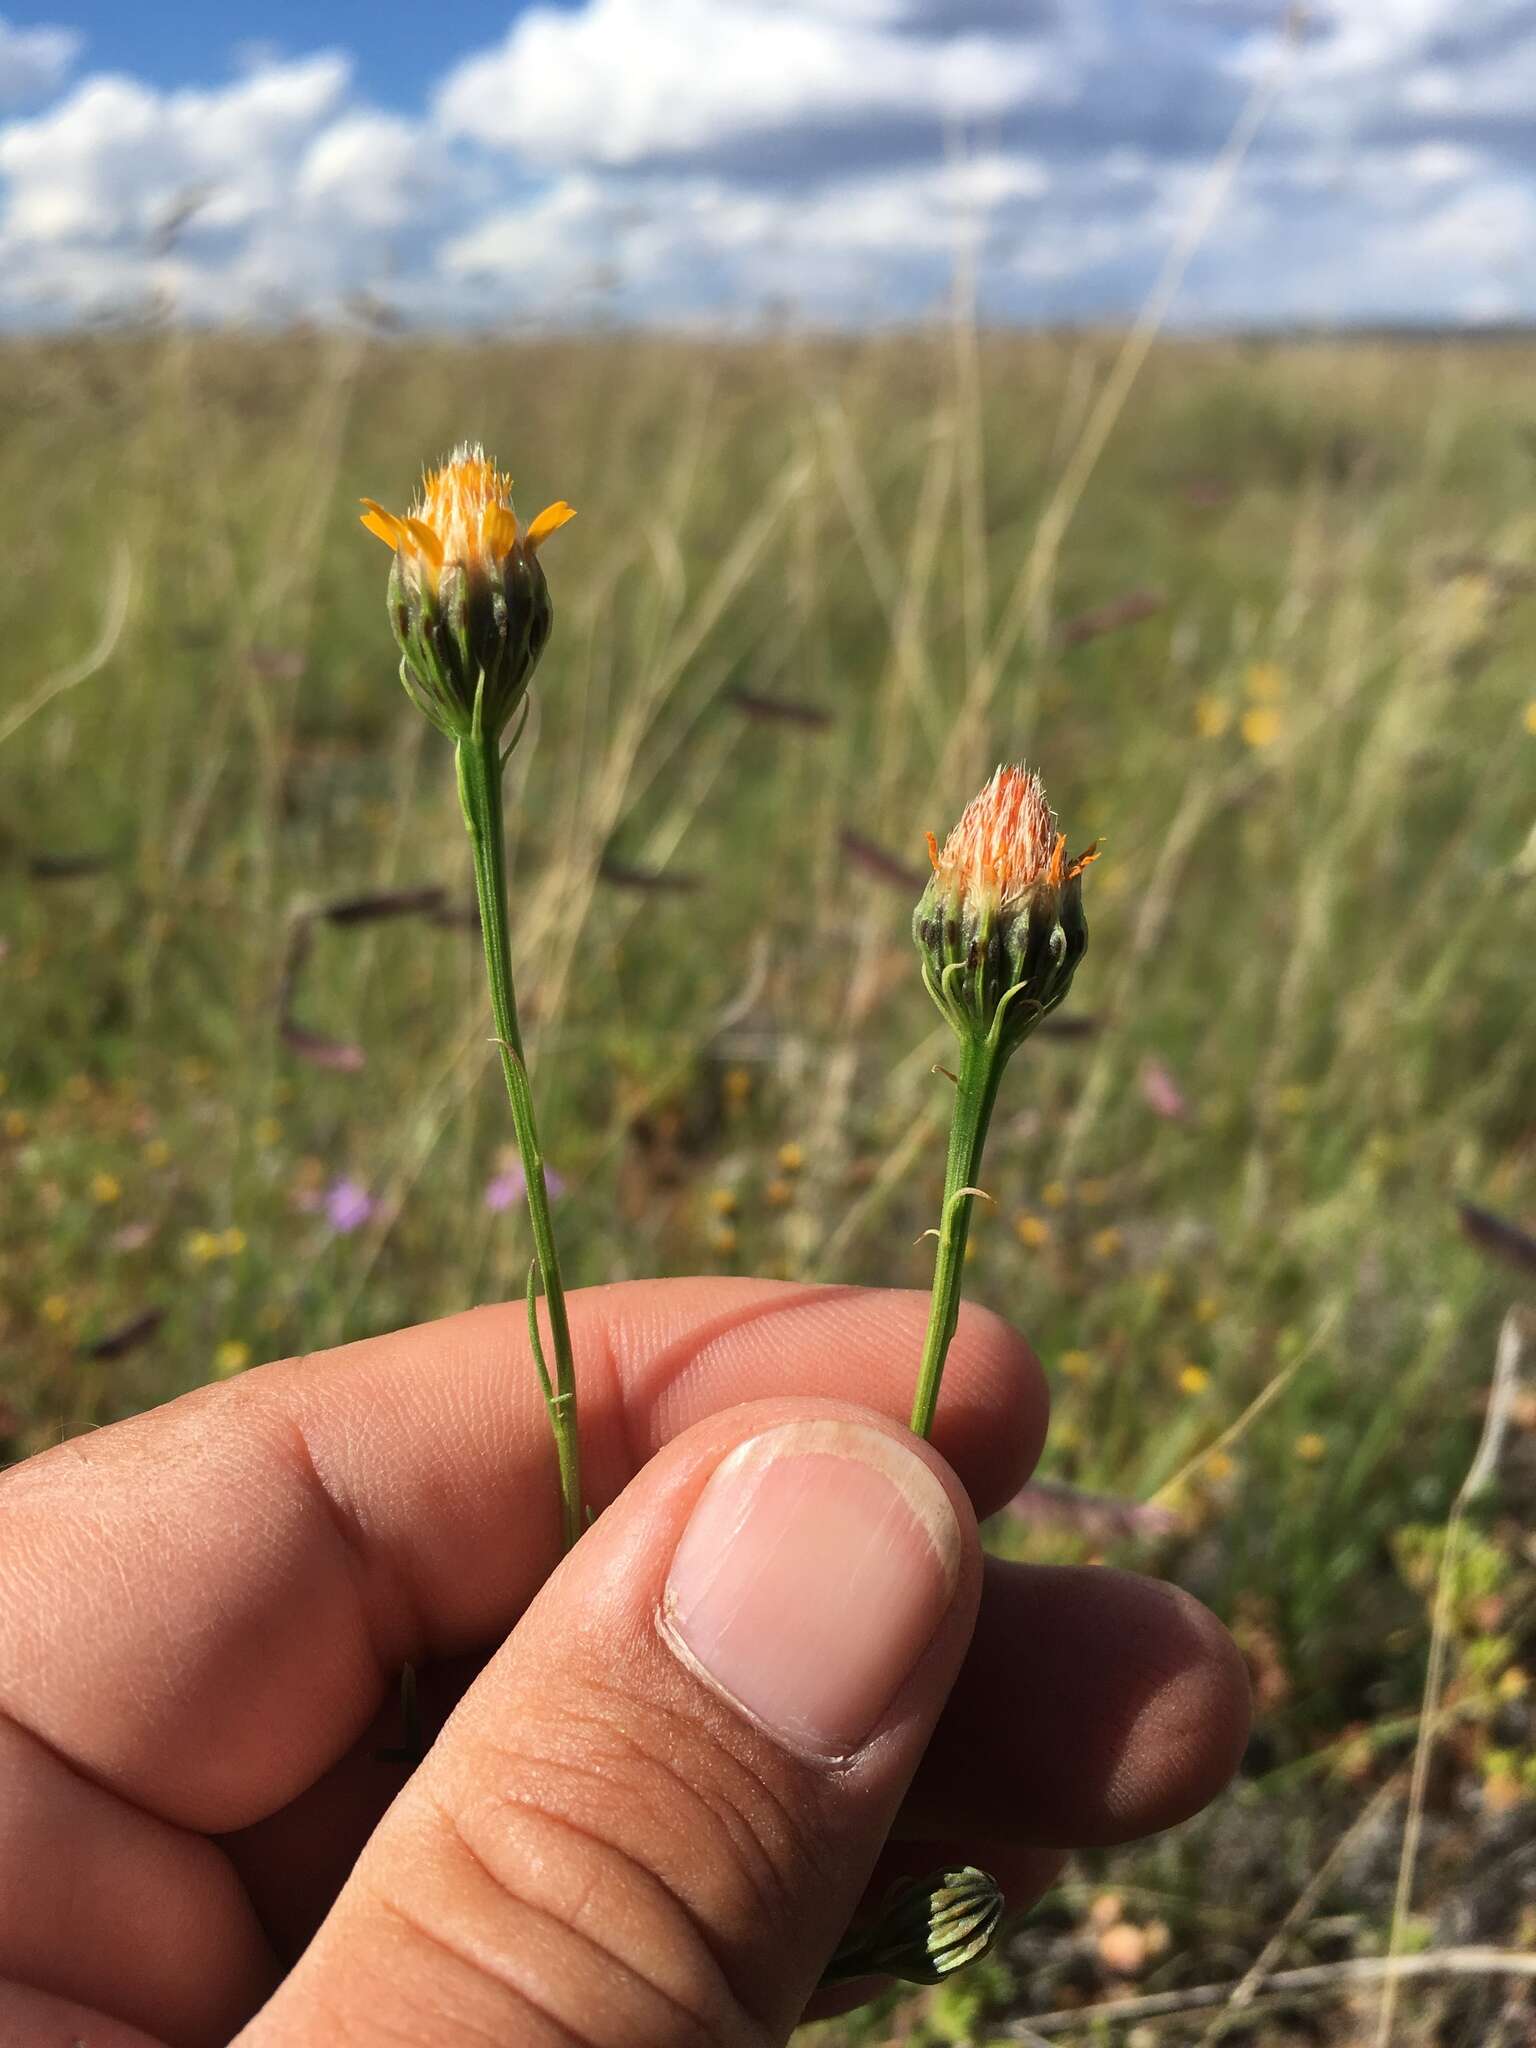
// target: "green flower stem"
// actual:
[[982, 1060], [981, 1068], [480, 759]]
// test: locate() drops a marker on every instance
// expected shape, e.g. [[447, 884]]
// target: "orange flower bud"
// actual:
[[1000, 924]]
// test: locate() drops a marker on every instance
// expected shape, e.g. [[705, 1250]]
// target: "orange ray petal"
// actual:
[[498, 529], [426, 540], [549, 521], [384, 524]]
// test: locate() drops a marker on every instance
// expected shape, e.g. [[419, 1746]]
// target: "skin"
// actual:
[[204, 1612]]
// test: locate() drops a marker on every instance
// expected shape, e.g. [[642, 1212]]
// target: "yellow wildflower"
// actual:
[[1054, 1194], [1529, 718], [1105, 1243], [791, 1157], [231, 1357], [157, 1153], [202, 1247], [1193, 1379], [17, 1123], [232, 1242], [106, 1188], [1261, 726], [55, 1309], [1076, 1365], [1311, 1447], [1032, 1231], [462, 517], [723, 1201], [778, 1194]]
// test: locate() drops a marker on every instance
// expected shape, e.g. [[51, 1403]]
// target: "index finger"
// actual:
[[203, 1607]]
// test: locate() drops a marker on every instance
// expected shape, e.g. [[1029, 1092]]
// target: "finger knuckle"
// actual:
[[663, 1854]]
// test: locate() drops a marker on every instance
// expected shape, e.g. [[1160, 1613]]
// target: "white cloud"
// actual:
[[112, 157], [631, 81], [271, 193], [34, 61], [701, 158], [85, 169], [1331, 264], [885, 241], [374, 170], [1439, 163]]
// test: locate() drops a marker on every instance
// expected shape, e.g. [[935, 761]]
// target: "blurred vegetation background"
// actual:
[[1277, 659]]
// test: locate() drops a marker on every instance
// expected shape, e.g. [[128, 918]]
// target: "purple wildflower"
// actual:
[[348, 1206]]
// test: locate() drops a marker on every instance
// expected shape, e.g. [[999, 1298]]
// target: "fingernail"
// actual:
[[814, 1569]]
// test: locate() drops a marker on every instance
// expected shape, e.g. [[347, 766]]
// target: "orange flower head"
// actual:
[[467, 597], [463, 515], [1000, 925], [1006, 842]]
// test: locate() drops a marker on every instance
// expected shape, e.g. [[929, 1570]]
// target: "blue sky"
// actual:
[[709, 161], [398, 48]]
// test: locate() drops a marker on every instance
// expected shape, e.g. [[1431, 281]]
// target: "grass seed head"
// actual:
[[467, 597], [1000, 925]]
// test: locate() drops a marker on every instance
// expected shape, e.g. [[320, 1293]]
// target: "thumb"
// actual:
[[653, 1814]]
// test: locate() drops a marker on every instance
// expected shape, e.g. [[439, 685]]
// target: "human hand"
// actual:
[[204, 1612]]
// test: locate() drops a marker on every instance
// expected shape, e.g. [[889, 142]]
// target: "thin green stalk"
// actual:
[[981, 1068], [480, 770]]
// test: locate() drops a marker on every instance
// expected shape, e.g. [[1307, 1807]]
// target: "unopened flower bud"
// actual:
[[927, 1928], [467, 597], [1000, 925]]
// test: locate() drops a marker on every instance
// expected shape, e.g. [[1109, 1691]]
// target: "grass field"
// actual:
[[1278, 658]]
